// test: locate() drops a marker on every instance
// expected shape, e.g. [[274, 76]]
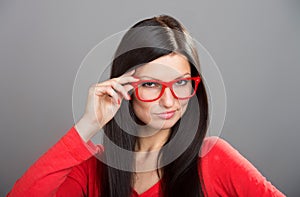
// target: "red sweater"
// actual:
[[69, 169]]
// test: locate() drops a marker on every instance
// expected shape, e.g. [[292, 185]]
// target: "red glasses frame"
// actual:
[[164, 86]]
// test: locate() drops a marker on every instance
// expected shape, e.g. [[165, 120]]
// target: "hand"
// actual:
[[104, 100]]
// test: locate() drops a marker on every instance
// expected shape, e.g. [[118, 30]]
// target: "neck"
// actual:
[[154, 141]]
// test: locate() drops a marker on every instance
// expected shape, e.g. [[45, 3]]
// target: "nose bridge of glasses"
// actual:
[[167, 90]]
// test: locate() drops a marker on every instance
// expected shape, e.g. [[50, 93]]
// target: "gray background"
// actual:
[[254, 43]]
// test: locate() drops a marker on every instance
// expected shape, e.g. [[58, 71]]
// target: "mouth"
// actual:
[[166, 115]]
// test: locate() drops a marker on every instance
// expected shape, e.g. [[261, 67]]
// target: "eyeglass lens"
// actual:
[[151, 90]]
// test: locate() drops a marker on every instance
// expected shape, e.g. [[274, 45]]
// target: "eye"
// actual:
[[150, 85], [181, 82]]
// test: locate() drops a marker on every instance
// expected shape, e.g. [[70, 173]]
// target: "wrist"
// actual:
[[87, 128]]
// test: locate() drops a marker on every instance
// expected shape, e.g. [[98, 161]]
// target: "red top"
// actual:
[[69, 169]]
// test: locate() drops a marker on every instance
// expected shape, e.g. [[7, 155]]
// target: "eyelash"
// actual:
[[145, 84], [158, 85], [185, 81]]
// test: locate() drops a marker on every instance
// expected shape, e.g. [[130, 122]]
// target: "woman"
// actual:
[[155, 79]]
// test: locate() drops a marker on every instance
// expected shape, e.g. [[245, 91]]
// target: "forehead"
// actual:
[[166, 67]]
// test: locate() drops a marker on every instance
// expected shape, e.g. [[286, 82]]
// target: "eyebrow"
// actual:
[[160, 80]]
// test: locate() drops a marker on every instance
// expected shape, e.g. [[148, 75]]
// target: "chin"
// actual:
[[163, 124]]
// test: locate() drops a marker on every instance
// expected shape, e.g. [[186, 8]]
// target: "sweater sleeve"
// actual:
[[235, 175], [51, 170]]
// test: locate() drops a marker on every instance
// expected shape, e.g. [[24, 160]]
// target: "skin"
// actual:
[[105, 98], [165, 68]]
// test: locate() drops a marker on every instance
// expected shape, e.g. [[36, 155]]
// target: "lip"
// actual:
[[166, 115]]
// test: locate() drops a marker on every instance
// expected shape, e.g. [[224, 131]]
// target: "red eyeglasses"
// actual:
[[151, 90]]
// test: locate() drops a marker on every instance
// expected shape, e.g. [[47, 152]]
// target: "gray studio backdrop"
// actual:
[[254, 43]]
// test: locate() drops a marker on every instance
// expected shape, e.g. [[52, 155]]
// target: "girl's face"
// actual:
[[163, 113]]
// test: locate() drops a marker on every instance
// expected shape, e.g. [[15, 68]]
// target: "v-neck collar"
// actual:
[[154, 189]]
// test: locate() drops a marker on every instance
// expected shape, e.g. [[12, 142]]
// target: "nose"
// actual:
[[167, 99]]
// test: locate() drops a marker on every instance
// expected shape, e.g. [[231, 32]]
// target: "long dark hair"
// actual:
[[146, 41]]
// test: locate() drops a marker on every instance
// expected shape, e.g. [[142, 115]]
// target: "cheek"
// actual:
[[141, 110], [183, 106]]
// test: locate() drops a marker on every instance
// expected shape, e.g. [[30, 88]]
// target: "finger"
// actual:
[[125, 80], [107, 90], [121, 90], [128, 87], [128, 73], [121, 80]]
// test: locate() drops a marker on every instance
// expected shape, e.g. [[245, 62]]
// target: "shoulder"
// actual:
[[219, 154], [214, 145], [226, 171]]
